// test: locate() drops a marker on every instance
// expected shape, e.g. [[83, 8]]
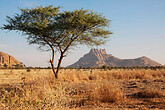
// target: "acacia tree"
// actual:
[[60, 31]]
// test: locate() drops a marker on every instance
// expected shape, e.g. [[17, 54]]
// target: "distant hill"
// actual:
[[7, 61], [98, 58]]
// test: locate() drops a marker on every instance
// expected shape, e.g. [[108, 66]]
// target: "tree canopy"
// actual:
[[60, 31]]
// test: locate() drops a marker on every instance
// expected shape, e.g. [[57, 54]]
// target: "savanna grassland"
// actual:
[[117, 89]]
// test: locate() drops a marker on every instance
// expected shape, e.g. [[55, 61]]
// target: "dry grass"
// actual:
[[86, 75], [106, 92], [41, 94], [150, 93], [37, 89]]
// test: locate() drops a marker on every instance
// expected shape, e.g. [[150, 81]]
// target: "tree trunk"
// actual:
[[52, 64], [59, 64]]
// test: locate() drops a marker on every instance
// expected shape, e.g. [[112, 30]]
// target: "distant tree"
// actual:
[[5, 65], [146, 67], [18, 66], [60, 31], [104, 67], [89, 67], [80, 67], [48, 67]]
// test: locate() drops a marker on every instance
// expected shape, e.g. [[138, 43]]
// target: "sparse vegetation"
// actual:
[[150, 93], [40, 94], [106, 92], [82, 89]]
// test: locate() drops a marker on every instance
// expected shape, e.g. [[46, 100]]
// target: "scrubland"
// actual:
[[98, 89]]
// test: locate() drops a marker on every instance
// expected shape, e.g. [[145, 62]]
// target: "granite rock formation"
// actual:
[[7, 61], [98, 58]]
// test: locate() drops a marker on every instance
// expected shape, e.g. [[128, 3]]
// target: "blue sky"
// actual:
[[138, 27]]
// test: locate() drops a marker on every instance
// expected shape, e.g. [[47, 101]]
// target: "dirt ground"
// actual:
[[138, 94], [133, 91]]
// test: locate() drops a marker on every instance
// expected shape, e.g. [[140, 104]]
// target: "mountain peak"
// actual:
[[99, 57], [144, 57], [98, 54], [97, 51]]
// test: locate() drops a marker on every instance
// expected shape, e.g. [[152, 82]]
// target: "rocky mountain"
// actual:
[[98, 58], [7, 61]]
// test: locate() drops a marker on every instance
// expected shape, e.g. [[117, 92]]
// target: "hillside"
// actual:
[[98, 58], [7, 61]]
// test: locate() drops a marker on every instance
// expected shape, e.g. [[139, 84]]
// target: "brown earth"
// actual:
[[140, 95]]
